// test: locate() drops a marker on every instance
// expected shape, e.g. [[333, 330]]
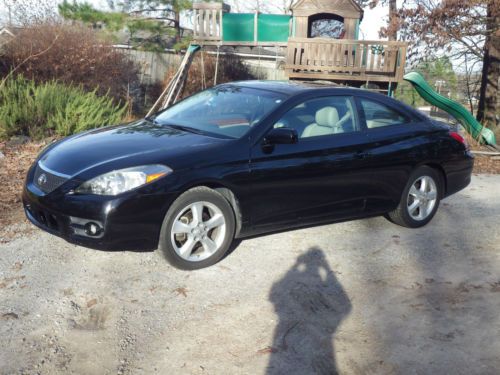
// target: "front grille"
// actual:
[[46, 181], [44, 218]]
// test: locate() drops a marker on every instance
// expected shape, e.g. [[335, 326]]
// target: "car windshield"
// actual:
[[227, 110]]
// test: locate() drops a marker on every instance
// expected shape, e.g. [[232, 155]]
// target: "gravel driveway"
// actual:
[[362, 297]]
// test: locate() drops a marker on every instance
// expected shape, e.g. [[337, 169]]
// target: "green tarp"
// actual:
[[239, 27], [273, 28]]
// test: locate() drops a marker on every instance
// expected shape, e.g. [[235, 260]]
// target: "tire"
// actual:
[[416, 209], [189, 243]]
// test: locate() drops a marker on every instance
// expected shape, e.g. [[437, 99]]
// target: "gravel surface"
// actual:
[[358, 297]]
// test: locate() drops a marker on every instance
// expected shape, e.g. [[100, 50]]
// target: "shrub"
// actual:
[[51, 108], [70, 54]]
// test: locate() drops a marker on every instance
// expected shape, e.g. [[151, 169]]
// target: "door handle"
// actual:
[[361, 155]]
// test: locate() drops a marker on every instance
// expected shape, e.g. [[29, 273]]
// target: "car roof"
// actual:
[[291, 88]]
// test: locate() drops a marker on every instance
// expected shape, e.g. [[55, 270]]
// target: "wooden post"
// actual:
[[255, 27], [221, 28], [402, 62], [195, 22]]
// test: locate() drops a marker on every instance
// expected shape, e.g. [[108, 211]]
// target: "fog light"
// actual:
[[92, 229], [87, 227]]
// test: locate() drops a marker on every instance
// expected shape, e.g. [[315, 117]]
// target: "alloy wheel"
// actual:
[[198, 231], [422, 198]]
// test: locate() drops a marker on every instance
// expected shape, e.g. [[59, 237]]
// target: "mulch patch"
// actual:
[[13, 168], [487, 164]]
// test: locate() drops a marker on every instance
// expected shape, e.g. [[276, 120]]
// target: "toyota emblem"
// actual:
[[42, 180]]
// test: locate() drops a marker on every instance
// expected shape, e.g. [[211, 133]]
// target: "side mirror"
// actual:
[[283, 136]]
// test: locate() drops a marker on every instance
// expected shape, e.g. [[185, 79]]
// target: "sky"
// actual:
[[373, 19]]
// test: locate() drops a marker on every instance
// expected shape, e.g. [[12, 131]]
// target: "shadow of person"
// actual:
[[310, 303]]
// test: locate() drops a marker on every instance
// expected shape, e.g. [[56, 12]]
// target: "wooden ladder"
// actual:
[[174, 88]]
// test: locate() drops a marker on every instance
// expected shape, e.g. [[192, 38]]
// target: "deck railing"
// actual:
[[207, 21], [213, 26], [346, 59]]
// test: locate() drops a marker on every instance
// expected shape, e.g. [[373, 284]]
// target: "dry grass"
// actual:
[[473, 143], [487, 164], [484, 163], [13, 169]]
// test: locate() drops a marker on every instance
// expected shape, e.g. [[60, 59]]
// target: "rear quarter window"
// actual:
[[378, 115]]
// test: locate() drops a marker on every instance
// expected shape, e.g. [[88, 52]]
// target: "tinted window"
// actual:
[[379, 115], [321, 117], [224, 110]]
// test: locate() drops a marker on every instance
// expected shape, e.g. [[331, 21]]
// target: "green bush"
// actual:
[[51, 108]]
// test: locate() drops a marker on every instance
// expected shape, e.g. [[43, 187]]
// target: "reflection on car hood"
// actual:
[[135, 140]]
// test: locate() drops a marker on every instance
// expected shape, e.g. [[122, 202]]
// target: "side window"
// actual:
[[320, 117], [378, 115]]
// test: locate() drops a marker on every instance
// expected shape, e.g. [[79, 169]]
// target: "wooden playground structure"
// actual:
[[319, 40]]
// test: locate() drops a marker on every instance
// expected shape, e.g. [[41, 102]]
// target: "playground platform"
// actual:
[[345, 60]]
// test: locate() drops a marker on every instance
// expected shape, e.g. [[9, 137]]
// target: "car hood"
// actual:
[[141, 142]]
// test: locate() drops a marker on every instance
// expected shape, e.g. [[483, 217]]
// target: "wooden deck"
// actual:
[[349, 60]]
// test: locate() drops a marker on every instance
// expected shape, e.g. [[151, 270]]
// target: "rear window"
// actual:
[[227, 110], [378, 115]]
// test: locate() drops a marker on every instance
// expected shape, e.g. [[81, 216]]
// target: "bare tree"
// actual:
[[459, 28], [393, 19], [391, 31], [472, 80], [31, 12], [488, 110], [282, 6]]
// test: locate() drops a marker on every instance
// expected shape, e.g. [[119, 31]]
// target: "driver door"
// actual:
[[323, 176]]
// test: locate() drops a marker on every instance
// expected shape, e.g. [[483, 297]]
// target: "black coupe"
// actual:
[[243, 159]]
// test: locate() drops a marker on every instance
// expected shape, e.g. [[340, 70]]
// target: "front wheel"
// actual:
[[198, 229], [420, 199]]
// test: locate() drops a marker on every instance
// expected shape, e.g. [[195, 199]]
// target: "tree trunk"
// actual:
[[393, 19], [177, 25], [488, 112]]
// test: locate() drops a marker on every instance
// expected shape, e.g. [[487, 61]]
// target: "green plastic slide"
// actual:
[[471, 125]]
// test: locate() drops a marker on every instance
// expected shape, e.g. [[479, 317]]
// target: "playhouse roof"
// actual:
[[343, 8]]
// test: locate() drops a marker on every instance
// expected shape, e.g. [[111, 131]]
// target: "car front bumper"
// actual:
[[127, 222]]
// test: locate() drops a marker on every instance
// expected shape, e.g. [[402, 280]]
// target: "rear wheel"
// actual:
[[198, 229], [420, 199]]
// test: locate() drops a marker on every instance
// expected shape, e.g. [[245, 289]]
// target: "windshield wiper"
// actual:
[[185, 128], [152, 119]]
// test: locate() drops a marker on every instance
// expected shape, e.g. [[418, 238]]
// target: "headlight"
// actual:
[[122, 180]]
